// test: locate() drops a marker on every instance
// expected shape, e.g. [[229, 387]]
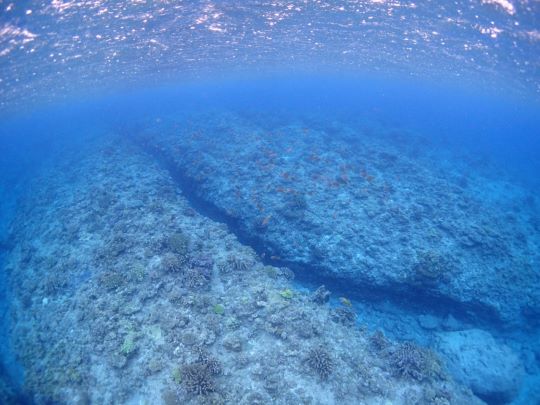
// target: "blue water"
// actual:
[[388, 150]]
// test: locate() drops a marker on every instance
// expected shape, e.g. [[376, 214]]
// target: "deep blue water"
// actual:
[[451, 88]]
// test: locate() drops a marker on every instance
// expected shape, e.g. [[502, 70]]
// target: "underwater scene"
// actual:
[[270, 202]]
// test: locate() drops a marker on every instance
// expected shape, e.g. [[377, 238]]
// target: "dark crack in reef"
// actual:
[[372, 208]]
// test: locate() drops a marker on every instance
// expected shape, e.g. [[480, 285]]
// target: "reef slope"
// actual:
[[379, 209], [123, 293]]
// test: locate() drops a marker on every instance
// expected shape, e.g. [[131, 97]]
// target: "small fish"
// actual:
[[266, 220], [344, 178]]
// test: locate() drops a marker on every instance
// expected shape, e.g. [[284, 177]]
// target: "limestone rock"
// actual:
[[492, 370]]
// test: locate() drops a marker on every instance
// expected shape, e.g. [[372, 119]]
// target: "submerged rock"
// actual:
[[492, 370], [450, 323], [429, 322]]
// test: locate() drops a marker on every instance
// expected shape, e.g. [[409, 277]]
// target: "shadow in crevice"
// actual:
[[10, 390]]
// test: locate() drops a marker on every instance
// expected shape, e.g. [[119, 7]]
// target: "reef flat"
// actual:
[[122, 292], [377, 208]]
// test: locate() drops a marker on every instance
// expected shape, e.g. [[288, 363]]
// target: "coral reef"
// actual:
[[321, 295], [344, 315], [320, 361], [379, 341], [178, 243], [431, 268], [172, 263], [111, 280], [197, 277], [238, 264], [198, 379], [361, 206], [211, 328], [409, 360]]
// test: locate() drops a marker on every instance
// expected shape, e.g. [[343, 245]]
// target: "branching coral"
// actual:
[[198, 271], [344, 315], [55, 283], [178, 243], [320, 361], [201, 260], [212, 364], [379, 341], [177, 256], [198, 379], [415, 362], [238, 264], [197, 277], [172, 263], [111, 280], [431, 268]]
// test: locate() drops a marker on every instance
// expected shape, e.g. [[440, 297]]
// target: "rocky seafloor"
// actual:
[[124, 291], [377, 208]]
